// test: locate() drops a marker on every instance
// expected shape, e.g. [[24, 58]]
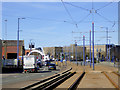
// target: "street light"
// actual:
[[18, 39], [6, 29], [106, 41]]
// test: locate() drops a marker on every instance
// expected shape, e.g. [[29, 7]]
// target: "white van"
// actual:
[[30, 63]]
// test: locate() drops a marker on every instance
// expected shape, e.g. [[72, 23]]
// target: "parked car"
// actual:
[[47, 63], [52, 66]]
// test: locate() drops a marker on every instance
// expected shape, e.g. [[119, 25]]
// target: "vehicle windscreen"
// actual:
[[52, 64]]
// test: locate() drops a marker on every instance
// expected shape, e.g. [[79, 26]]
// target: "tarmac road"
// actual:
[[17, 80]]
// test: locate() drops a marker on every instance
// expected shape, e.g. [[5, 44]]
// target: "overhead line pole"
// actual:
[[109, 50], [107, 42], [65, 56], [93, 44], [76, 52], [18, 40], [84, 50], [90, 48]]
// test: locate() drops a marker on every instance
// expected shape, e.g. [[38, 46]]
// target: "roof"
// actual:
[[12, 42]]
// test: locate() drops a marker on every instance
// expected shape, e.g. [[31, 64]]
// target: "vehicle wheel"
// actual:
[[35, 71]]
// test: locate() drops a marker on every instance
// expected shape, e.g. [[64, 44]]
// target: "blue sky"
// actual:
[[45, 25]]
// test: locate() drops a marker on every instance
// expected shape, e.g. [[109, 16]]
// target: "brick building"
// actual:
[[9, 48], [52, 51], [101, 51], [115, 51], [57, 51], [71, 50]]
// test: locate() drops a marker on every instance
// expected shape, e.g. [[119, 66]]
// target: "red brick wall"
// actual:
[[11, 49]]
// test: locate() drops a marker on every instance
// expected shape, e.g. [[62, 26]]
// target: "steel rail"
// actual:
[[116, 73], [44, 80], [57, 83], [75, 84], [109, 78], [48, 83]]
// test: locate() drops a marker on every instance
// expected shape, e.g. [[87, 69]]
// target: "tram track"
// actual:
[[51, 82], [110, 78], [75, 84]]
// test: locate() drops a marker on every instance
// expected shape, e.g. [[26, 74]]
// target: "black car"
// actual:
[[52, 66]]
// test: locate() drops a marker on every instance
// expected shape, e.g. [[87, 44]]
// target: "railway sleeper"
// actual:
[[47, 83], [75, 84], [57, 83], [42, 81]]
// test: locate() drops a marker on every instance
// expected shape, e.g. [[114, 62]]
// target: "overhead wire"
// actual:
[[46, 19], [67, 11], [77, 6], [92, 12], [105, 5], [104, 17], [83, 18]]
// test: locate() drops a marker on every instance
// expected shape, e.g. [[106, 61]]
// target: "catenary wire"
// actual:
[[77, 6], [67, 11], [104, 6], [104, 17], [84, 18]]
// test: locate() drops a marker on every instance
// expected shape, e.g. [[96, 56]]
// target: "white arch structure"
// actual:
[[46, 57], [36, 51]]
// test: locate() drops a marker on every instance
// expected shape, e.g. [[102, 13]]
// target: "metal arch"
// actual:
[[36, 51]]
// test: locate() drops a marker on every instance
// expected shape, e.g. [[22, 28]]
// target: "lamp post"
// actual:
[[106, 42], [6, 29], [18, 39], [5, 54]]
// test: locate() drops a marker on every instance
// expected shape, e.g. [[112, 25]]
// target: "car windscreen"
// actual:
[[52, 64]]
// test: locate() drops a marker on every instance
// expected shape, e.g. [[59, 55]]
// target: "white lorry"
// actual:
[[30, 64]]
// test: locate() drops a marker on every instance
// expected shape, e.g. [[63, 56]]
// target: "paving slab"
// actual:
[[95, 80]]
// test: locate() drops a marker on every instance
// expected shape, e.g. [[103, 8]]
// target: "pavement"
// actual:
[[92, 78], [95, 80]]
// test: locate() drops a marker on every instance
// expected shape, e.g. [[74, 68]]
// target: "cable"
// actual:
[[105, 5], [103, 17], [47, 19], [67, 11], [84, 18], [77, 6], [92, 13]]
